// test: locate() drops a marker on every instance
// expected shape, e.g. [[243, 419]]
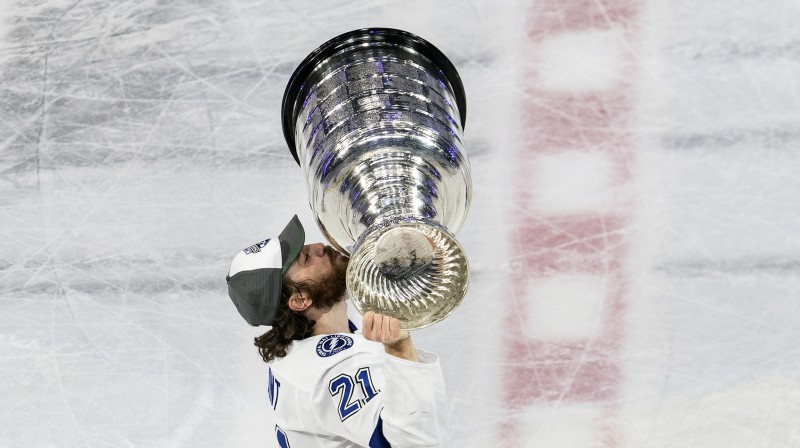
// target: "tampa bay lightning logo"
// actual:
[[333, 344], [255, 248]]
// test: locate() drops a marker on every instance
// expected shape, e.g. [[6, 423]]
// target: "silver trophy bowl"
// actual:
[[375, 119]]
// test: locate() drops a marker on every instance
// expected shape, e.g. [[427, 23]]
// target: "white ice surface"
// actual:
[[141, 147]]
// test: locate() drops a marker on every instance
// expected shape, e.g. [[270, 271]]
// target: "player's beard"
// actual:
[[330, 288]]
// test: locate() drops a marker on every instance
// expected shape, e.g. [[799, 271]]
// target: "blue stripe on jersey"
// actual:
[[378, 440], [351, 326]]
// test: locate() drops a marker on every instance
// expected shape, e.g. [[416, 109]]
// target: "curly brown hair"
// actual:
[[289, 325]]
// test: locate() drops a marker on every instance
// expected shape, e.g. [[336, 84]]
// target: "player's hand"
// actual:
[[386, 330]]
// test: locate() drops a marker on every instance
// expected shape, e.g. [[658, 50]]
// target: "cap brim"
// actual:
[[292, 239]]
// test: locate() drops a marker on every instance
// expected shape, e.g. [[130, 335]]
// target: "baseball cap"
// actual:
[[254, 280]]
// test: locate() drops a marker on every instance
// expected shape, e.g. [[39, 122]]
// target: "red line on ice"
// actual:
[[545, 373]]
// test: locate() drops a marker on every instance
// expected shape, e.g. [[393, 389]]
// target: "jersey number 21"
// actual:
[[344, 386]]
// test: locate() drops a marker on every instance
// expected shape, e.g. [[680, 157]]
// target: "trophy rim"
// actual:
[[390, 35]]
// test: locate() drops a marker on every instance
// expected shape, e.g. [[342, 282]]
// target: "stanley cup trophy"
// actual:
[[375, 119]]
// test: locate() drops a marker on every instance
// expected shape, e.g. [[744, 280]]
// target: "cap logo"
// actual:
[[255, 248], [333, 344]]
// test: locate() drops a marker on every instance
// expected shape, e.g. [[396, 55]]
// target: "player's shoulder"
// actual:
[[310, 359]]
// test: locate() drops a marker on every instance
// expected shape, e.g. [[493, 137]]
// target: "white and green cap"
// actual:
[[254, 280]]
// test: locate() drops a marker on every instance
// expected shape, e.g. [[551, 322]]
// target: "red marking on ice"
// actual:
[[552, 17], [585, 244], [585, 371], [575, 371], [561, 121]]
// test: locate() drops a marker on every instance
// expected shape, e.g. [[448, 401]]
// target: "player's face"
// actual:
[[321, 264]]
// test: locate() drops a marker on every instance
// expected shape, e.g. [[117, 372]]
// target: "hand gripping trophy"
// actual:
[[375, 119]]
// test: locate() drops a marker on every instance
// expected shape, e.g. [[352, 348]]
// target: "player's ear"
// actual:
[[299, 301]]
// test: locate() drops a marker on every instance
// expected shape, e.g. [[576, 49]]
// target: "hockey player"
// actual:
[[329, 384]]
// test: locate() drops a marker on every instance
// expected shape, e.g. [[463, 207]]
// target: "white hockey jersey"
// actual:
[[341, 390]]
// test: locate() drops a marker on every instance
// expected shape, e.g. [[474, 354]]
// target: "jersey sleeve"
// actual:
[[378, 400], [414, 402]]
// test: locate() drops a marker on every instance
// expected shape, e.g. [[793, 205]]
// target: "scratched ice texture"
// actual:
[[141, 147]]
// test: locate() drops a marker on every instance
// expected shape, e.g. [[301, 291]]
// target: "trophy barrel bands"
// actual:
[[375, 119], [297, 89]]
